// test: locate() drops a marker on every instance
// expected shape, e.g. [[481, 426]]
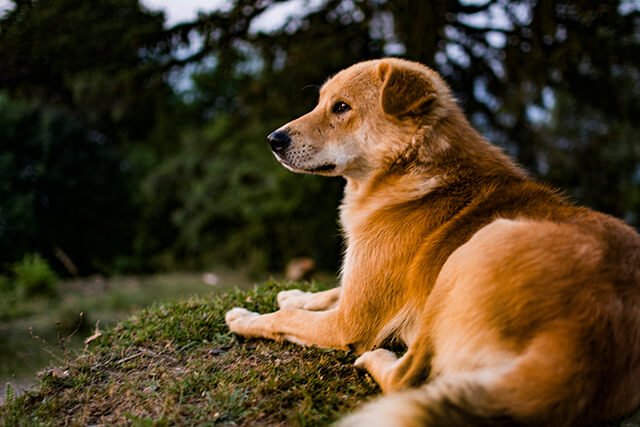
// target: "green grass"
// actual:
[[177, 364], [106, 301]]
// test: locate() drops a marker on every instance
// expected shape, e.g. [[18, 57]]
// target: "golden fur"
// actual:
[[516, 306]]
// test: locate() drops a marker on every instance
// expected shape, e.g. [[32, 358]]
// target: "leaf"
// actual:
[[97, 333]]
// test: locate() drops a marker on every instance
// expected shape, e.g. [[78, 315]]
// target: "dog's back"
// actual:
[[533, 317]]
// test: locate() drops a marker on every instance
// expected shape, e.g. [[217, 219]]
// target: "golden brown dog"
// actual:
[[516, 306]]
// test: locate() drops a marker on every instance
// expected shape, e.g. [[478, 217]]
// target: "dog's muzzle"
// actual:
[[279, 141]]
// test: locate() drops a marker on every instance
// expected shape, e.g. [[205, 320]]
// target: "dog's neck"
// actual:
[[449, 153]]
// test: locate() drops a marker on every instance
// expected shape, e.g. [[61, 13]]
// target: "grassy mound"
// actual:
[[178, 364]]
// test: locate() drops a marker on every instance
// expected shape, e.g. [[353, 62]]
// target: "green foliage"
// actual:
[[34, 277], [6, 285], [9, 393], [30, 286], [71, 157], [61, 187], [99, 61], [240, 205]]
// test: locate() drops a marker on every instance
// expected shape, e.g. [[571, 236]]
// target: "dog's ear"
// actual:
[[405, 91]]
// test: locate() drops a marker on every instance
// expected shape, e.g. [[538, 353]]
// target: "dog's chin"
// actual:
[[328, 169]]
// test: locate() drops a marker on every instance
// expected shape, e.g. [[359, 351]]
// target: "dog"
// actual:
[[516, 306]]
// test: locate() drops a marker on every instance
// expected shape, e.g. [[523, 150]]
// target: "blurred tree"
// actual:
[[100, 60], [517, 66], [557, 83], [595, 157], [61, 187], [96, 73]]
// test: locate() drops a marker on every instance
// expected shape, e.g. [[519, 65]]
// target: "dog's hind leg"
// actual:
[[542, 385], [313, 301], [393, 373]]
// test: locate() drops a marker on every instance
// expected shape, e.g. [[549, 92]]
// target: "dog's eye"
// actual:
[[340, 107]]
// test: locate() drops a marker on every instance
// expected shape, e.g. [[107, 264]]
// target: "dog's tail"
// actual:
[[442, 403]]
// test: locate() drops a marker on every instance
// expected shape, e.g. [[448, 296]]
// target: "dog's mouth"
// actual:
[[323, 168]]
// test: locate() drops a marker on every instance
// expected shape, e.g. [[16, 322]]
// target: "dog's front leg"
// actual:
[[318, 328]]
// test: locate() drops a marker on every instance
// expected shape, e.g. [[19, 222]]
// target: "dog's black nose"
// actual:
[[279, 141]]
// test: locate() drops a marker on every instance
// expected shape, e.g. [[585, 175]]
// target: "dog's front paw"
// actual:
[[295, 298], [237, 319]]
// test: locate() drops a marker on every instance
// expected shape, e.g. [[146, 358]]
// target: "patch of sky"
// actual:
[[482, 94], [5, 6], [382, 27], [627, 7], [286, 13], [538, 115], [457, 54], [495, 17], [542, 114], [177, 12], [496, 39], [522, 12], [548, 98]]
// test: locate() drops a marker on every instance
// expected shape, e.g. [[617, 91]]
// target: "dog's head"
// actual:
[[366, 117]]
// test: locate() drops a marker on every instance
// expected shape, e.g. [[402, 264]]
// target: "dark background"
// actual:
[[127, 146]]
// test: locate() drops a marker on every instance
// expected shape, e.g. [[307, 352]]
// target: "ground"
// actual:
[[177, 364]]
